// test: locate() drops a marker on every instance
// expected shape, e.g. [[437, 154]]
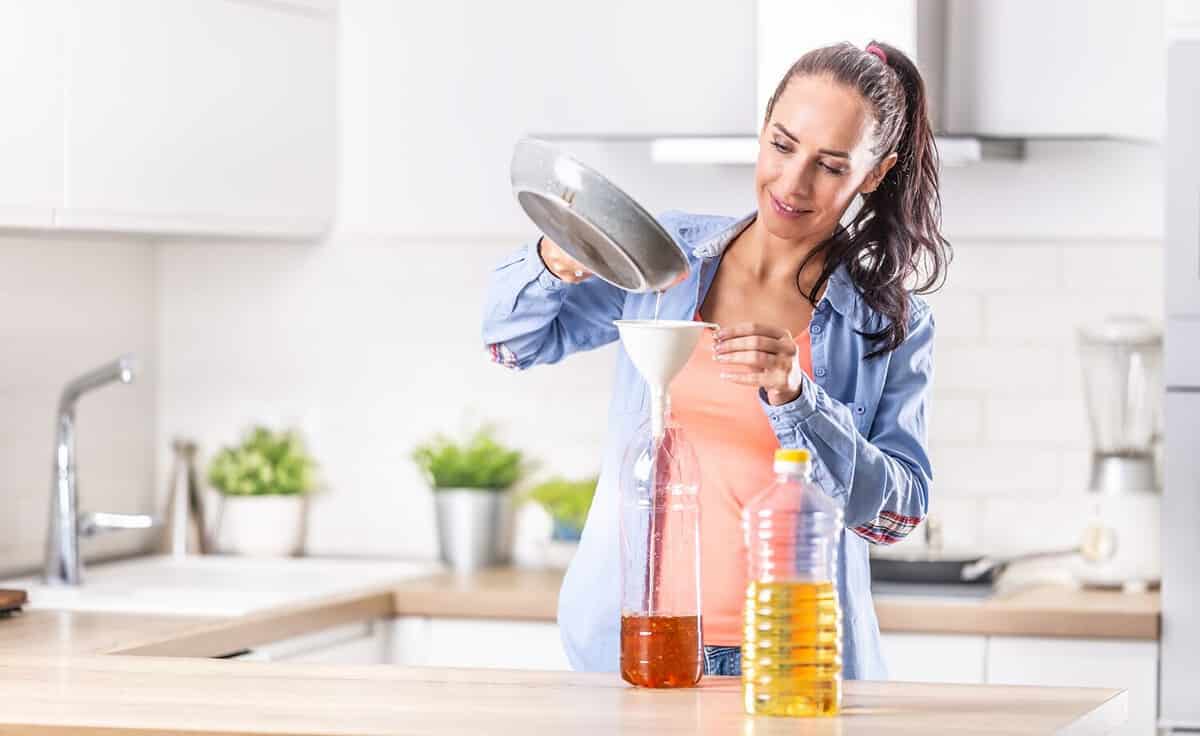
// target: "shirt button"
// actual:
[[819, 372], [815, 329]]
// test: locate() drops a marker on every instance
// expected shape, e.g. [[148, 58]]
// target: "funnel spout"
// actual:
[[659, 349]]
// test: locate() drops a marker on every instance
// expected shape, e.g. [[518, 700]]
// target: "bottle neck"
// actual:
[[793, 472]]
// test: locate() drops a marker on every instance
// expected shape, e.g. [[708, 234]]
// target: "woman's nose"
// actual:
[[799, 177]]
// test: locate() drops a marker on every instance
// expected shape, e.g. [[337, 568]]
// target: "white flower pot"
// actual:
[[261, 526]]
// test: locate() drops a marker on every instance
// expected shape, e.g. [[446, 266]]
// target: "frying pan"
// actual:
[[594, 221], [1099, 544], [936, 571]]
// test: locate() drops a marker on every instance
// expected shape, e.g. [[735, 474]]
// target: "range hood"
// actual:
[[997, 74], [785, 29]]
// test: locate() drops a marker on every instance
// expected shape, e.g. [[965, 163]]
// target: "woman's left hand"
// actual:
[[770, 354]]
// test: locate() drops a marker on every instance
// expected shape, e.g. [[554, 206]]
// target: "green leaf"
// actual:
[[480, 462], [266, 463], [567, 501]]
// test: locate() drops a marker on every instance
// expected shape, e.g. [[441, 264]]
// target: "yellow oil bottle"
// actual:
[[792, 638]]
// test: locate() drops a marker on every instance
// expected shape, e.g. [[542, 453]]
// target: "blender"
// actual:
[[1122, 378]]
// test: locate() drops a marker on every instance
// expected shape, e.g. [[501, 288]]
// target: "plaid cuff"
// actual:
[[887, 528], [501, 355]]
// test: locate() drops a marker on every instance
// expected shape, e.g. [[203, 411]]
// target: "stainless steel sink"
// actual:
[[213, 585]]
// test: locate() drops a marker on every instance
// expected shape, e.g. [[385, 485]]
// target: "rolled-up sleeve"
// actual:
[[883, 479], [530, 316]]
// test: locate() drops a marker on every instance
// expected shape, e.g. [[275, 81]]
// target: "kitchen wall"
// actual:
[[369, 340], [68, 305]]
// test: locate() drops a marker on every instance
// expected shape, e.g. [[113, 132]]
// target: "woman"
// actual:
[[822, 345]]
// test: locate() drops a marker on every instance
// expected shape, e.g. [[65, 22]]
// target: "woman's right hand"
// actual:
[[560, 264]]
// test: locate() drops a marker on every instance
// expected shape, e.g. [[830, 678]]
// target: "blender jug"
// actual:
[[1122, 379]]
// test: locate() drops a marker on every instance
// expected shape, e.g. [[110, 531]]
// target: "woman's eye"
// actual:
[[782, 148], [833, 169]]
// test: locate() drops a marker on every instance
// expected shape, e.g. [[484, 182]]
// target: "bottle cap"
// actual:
[[792, 456]]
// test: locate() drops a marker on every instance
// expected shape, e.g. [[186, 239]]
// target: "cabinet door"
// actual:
[[31, 128], [1111, 663], [453, 642], [199, 116], [934, 657], [1062, 68]]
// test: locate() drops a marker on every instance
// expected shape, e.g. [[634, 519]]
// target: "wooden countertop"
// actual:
[[148, 695], [1044, 610], [74, 673]]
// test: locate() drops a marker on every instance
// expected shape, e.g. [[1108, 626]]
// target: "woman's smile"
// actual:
[[784, 210]]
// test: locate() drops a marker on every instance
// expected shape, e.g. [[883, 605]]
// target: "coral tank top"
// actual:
[[735, 447]]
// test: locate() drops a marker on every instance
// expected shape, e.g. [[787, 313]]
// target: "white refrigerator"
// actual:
[[1179, 672]]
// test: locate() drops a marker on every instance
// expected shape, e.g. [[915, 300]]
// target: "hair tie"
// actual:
[[877, 52]]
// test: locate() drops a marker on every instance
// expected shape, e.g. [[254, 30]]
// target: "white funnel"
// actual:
[[659, 349]]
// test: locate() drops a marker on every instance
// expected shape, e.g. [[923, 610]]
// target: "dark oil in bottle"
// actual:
[[661, 651]]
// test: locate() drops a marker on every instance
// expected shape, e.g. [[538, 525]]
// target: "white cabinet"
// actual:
[[31, 128], [1065, 68], [168, 116], [1183, 19], [452, 642], [365, 642], [198, 116], [935, 657], [1010, 660], [632, 68], [1110, 663]]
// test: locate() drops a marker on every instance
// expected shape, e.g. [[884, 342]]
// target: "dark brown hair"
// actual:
[[894, 244]]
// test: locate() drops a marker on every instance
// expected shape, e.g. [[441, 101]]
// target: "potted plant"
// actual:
[[567, 503], [468, 481], [263, 482]]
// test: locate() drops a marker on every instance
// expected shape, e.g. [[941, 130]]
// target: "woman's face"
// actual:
[[814, 156]]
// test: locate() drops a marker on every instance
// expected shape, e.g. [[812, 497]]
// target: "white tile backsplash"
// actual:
[[369, 346], [1033, 522], [986, 266], [1010, 369], [1054, 316], [957, 316], [1114, 268], [1046, 423], [990, 470], [956, 421]]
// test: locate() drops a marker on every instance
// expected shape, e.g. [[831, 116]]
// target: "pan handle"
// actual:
[[981, 567]]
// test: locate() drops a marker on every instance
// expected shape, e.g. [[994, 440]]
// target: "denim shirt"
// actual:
[[862, 420]]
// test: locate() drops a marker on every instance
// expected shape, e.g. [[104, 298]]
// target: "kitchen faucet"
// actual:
[[66, 524]]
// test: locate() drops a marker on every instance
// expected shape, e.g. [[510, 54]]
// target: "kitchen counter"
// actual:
[[75, 673], [1043, 610], [145, 695]]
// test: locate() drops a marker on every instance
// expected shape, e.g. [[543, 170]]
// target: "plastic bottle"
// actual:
[[792, 647], [660, 561]]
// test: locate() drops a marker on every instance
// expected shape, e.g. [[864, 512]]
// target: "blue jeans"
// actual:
[[723, 661]]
